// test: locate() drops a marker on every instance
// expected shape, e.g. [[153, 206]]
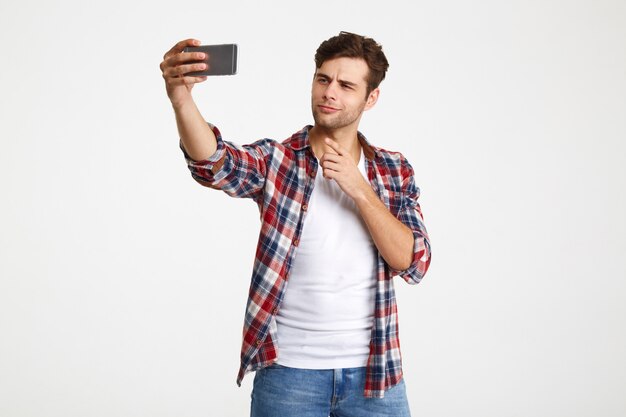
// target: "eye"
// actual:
[[322, 80], [347, 86]]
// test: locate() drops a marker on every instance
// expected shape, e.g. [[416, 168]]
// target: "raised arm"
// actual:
[[196, 136], [237, 170]]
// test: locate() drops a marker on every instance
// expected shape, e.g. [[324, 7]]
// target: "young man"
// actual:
[[340, 218]]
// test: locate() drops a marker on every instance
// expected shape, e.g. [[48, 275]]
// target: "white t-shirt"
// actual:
[[327, 313]]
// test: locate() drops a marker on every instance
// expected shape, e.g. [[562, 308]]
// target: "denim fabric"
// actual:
[[280, 391]]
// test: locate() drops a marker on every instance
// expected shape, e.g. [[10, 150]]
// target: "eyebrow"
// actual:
[[350, 83]]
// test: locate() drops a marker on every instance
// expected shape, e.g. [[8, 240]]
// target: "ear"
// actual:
[[372, 98]]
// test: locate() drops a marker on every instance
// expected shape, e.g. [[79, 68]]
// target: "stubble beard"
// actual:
[[336, 121]]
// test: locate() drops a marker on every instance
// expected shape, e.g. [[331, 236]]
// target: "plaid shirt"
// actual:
[[279, 177]]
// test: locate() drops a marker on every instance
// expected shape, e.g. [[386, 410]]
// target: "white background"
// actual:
[[123, 283]]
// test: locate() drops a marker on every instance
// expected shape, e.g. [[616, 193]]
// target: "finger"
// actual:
[[181, 70], [196, 80], [328, 149], [193, 80], [330, 156], [334, 145], [328, 174], [333, 166], [182, 58], [180, 46], [186, 57], [186, 80]]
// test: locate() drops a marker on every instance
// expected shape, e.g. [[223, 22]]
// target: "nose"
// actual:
[[330, 91]]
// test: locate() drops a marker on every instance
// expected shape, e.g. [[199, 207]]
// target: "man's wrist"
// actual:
[[365, 196], [181, 105]]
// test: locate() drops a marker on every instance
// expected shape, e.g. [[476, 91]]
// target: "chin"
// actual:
[[324, 122]]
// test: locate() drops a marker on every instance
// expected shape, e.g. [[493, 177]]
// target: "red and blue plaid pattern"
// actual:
[[279, 177]]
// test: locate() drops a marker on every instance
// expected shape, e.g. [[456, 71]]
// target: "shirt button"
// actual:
[[275, 311], [304, 207], [296, 242], [258, 342]]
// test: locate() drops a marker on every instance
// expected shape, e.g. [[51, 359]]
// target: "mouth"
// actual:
[[327, 109]]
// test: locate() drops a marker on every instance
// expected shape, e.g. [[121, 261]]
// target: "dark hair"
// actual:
[[351, 45]]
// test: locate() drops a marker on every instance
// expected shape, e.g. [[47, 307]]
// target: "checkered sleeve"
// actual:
[[411, 215], [238, 170]]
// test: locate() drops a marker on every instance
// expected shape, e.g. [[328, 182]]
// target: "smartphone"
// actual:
[[222, 59]]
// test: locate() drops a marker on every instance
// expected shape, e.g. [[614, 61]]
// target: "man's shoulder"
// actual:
[[382, 155], [282, 151], [387, 152], [296, 141], [390, 157]]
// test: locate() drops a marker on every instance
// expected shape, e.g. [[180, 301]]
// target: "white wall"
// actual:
[[123, 282]]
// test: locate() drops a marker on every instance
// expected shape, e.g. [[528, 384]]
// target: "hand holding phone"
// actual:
[[173, 68], [221, 59]]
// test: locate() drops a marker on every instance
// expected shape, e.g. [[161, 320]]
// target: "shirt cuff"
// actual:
[[217, 155], [421, 261]]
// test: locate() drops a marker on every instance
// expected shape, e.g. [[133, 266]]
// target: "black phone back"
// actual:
[[222, 59]]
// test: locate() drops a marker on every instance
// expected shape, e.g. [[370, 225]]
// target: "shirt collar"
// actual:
[[300, 140]]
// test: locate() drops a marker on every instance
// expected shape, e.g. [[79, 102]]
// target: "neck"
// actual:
[[346, 137]]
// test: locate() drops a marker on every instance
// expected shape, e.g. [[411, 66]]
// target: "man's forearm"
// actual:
[[392, 238], [197, 137]]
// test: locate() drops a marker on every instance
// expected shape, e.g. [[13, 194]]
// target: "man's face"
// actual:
[[338, 94]]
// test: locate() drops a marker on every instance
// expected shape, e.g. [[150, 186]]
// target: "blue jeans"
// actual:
[[280, 391]]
